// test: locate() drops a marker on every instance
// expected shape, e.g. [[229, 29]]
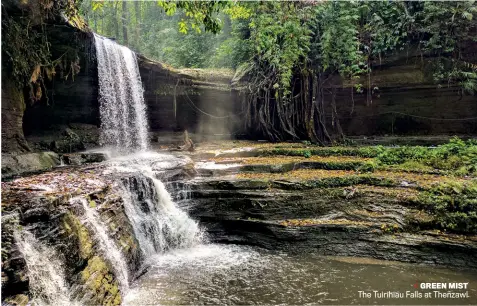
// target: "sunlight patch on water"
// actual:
[[214, 166]]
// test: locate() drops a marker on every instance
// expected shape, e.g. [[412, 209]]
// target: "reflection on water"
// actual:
[[215, 274]]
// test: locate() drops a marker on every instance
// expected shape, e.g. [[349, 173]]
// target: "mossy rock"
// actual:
[[73, 227], [100, 281], [28, 163]]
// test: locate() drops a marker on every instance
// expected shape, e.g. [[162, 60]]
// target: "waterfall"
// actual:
[[106, 245], [122, 108], [159, 225], [45, 271]]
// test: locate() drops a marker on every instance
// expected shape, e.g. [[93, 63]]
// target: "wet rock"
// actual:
[[13, 106], [13, 165], [14, 280], [342, 221], [19, 299], [77, 159], [65, 138], [41, 204]]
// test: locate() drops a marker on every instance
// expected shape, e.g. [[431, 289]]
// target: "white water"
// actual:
[[108, 248], [45, 271], [159, 224], [121, 98]]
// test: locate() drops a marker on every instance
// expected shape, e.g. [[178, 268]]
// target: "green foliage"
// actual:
[[367, 167], [288, 51], [454, 205], [18, 42], [449, 26], [338, 43], [193, 34], [236, 49], [457, 156], [26, 47], [328, 151], [281, 40], [307, 153], [198, 13]]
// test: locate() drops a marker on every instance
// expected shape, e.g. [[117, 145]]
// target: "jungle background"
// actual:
[[291, 51], [308, 70]]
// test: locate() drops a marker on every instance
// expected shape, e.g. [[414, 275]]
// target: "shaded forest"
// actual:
[[291, 51], [290, 58]]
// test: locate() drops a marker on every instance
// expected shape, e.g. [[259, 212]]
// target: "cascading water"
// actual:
[[106, 244], [159, 225], [122, 108], [45, 271]]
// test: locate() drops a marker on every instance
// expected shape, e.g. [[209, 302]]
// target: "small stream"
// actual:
[[228, 274]]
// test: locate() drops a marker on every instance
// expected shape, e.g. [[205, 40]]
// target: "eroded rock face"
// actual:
[[13, 106], [72, 210], [327, 204], [337, 207], [15, 165], [371, 223], [43, 205]]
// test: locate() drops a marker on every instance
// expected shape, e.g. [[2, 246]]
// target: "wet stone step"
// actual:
[[76, 159]]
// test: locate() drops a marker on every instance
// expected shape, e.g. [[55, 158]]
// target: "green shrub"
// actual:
[[454, 205], [457, 156]]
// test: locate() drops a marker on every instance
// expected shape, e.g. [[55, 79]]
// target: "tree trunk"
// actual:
[[116, 21], [124, 19], [13, 106], [137, 12]]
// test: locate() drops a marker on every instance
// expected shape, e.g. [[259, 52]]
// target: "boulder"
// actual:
[[14, 165]]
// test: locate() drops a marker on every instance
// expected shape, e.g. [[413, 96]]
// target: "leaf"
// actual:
[[467, 15], [182, 27], [97, 5], [50, 72]]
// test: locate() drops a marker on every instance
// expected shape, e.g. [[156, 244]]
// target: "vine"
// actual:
[[27, 49], [300, 47]]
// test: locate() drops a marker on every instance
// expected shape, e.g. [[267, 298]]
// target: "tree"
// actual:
[[290, 51], [124, 21]]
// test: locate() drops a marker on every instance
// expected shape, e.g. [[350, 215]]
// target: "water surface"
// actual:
[[216, 274]]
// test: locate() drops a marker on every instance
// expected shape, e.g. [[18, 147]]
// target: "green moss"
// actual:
[[124, 244], [325, 151], [100, 281], [351, 181], [413, 166], [456, 157], [73, 227]]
